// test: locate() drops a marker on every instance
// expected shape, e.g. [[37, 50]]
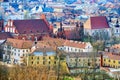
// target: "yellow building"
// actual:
[[46, 57], [111, 60], [42, 57], [79, 61]]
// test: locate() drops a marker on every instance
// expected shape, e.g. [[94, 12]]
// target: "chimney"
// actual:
[[101, 60], [77, 25], [60, 24], [43, 17]]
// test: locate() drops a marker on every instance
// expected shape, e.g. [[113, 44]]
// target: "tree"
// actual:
[[99, 45]]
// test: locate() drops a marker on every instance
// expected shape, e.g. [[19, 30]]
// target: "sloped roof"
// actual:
[[116, 46], [5, 35], [111, 56], [99, 22], [52, 42], [71, 34], [21, 44], [75, 44], [31, 26]]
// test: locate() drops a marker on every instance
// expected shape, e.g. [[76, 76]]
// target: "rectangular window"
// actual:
[[37, 62], [104, 59], [75, 49], [54, 62], [18, 54], [49, 57], [26, 50], [32, 62], [23, 51], [38, 58], [113, 61], [119, 62], [116, 30], [18, 50], [23, 54], [68, 49], [32, 57], [49, 62], [43, 58], [43, 62], [109, 61]]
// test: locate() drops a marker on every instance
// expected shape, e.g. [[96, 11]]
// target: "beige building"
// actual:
[[76, 46], [16, 50], [77, 61]]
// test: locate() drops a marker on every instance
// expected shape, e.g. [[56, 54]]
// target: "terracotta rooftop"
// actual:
[[71, 34], [44, 49], [21, 44], [75, 44], [99, 22], [31, 26], [5, 35], [111, 56], [52, 42], [116, 46]]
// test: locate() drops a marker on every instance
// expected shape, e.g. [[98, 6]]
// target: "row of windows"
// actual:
[[84, 60], [21, 50], [71, 49], [15, 54], [114, 66], [43, 62], [112, 61], [39, 58], [9, 47]]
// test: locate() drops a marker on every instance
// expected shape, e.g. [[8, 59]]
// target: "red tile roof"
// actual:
[[111, 56], [20, 44], [52, 42], [75, 44], [116, 46], [31, 26], [99, 22], [70, 34], [5, 35]]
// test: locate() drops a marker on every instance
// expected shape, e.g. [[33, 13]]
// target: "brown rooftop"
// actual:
[[116, 46], [75, 44], [21, 44], [31, 26], [112, 56]]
